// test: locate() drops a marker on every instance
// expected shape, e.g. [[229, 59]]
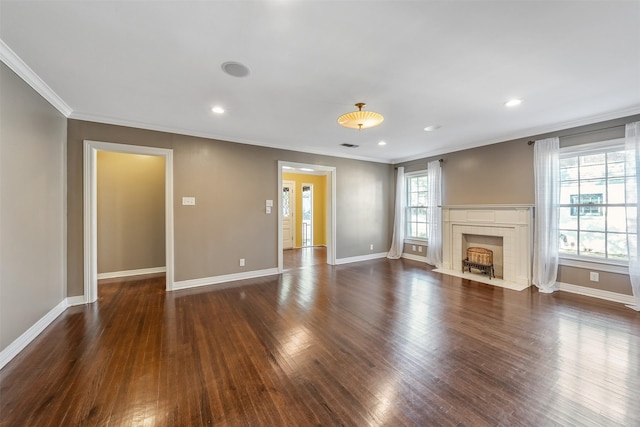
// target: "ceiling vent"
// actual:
[[349, 145]]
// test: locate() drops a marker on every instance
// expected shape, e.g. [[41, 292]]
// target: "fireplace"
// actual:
[[503, 229]]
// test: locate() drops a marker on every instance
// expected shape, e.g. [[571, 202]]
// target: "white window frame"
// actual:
[[583, 261], [410, 239]]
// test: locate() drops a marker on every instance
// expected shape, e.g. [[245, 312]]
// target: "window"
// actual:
[[416, 214], [593, 202]]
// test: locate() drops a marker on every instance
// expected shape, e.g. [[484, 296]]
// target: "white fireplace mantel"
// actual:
[[513, 223]]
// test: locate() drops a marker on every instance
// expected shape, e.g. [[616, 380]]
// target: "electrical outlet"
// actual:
[[371, 247], [241, 262], [188, 201], [594, 277], [413, 248], [419, 248]]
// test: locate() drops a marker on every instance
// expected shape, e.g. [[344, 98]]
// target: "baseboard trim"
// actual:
[[361, 258], [30, 334], [414, 257], [77, 300], [597, 293], [127, 273], [216, 280]]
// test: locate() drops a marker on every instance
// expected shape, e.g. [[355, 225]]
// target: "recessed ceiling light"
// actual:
[[432, 128], [218, 110], [513, 102], [235, 69], [382, 143]]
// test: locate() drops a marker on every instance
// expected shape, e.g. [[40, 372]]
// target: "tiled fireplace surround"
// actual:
[[513, 223]]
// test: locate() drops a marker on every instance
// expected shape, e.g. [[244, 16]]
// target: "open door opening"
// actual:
[[312, 224], [91, 149]]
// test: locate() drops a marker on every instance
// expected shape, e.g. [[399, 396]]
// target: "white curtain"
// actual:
[[434, 213], [632, 160], [397, 243], [546, 165]]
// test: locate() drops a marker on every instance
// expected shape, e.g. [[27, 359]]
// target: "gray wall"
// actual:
[[131, 212], [503, 174], [231, 183], [32, 207]]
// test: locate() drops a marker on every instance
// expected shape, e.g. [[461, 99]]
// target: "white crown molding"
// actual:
[[18, 66], [180, 131], [528, 133]]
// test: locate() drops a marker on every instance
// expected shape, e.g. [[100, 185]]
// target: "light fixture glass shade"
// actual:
[[360, 119]]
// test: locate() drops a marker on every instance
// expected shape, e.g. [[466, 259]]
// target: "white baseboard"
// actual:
[[415, 257], [597, 293], [78, 300], [361, 258], [215, 280], [30, 334], [127, 273]]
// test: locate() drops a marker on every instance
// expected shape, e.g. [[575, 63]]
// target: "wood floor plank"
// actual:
[[384, 342]]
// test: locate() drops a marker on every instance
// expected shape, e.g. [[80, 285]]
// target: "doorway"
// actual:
[[329, 211], [91, 149]]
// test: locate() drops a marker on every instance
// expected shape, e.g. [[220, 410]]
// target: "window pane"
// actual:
[[592, 171], [615, 189], [615, 168], [422, 214], [568, 242], [567, 220], [568, 169], [595, 188], [592, 218], [567, 189], [592, 244], [631, 185], [617, 246], [422, 231], [616, 219], [592, 159], [413, 215]]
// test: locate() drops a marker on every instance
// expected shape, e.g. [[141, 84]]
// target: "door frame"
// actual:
[[330, 173], [90, 205]]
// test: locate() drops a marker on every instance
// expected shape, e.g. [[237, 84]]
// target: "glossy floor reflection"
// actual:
[[304, 257], [382, 342]]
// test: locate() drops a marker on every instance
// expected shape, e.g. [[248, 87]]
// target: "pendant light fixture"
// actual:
[[360, 119]]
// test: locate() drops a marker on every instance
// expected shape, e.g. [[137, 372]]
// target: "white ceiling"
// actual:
[[157, 65]]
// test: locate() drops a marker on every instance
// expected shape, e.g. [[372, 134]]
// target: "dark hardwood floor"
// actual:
[[376, 343], [304, 257]]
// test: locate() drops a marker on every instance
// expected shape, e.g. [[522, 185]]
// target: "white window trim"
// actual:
[[599, 146], [414, 240], [606, 265]]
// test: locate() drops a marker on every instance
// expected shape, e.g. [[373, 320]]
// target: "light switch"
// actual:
[[188, 201], [268, 209], [269, 203]]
